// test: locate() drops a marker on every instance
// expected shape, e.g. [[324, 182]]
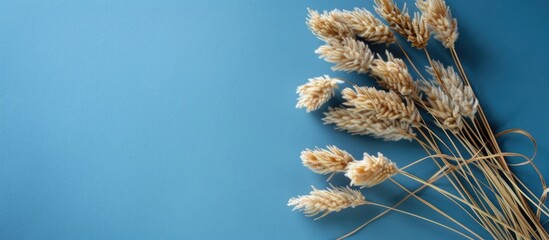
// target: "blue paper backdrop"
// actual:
[[176, 120]]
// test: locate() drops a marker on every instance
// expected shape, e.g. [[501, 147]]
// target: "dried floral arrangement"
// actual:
[[464, 148]]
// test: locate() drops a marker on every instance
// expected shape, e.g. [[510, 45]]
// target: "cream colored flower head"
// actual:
[[439, 17], [441, 106], [327, 201], [393, 74], [316, 92], [364, 24], [349, 55], [381, 105], [356, 122], [371, 170], [461, 94], [326, 26], [325, 161]]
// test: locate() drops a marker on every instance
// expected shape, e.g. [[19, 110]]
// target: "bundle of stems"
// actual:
[[458, 138]]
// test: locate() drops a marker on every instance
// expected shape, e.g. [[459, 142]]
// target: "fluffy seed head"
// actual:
[[325, 161], [316, 92], [439, 18], [393, 74], [365, 25], [326, 26], [371, 170], [401, 22], [349, 55], [327, 201], [359, 123], [381, 105], [441, 106], [423, 5], [421, 31], [461, 95]]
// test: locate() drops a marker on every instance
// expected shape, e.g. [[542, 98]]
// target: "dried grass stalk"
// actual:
[[316, 92], [326, 161], [439, 17], [371, 170], [349, 55], [327, 201], [393, 74]]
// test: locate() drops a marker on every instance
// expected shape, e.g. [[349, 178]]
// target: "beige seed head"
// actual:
[[441, 106], [325, 161], [359, 123], [382, 105], [365, 25], [422, 5], [421, 31], [439, 18], [462, 95], [401, 22], [326, 26], [327, 201], [393, 74], [316, 92], [349, 55], [371, 170]]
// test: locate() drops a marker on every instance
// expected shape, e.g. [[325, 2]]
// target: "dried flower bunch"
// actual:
[[464, 148]]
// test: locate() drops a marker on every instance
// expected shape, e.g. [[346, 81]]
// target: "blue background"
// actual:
[[176, 120]]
